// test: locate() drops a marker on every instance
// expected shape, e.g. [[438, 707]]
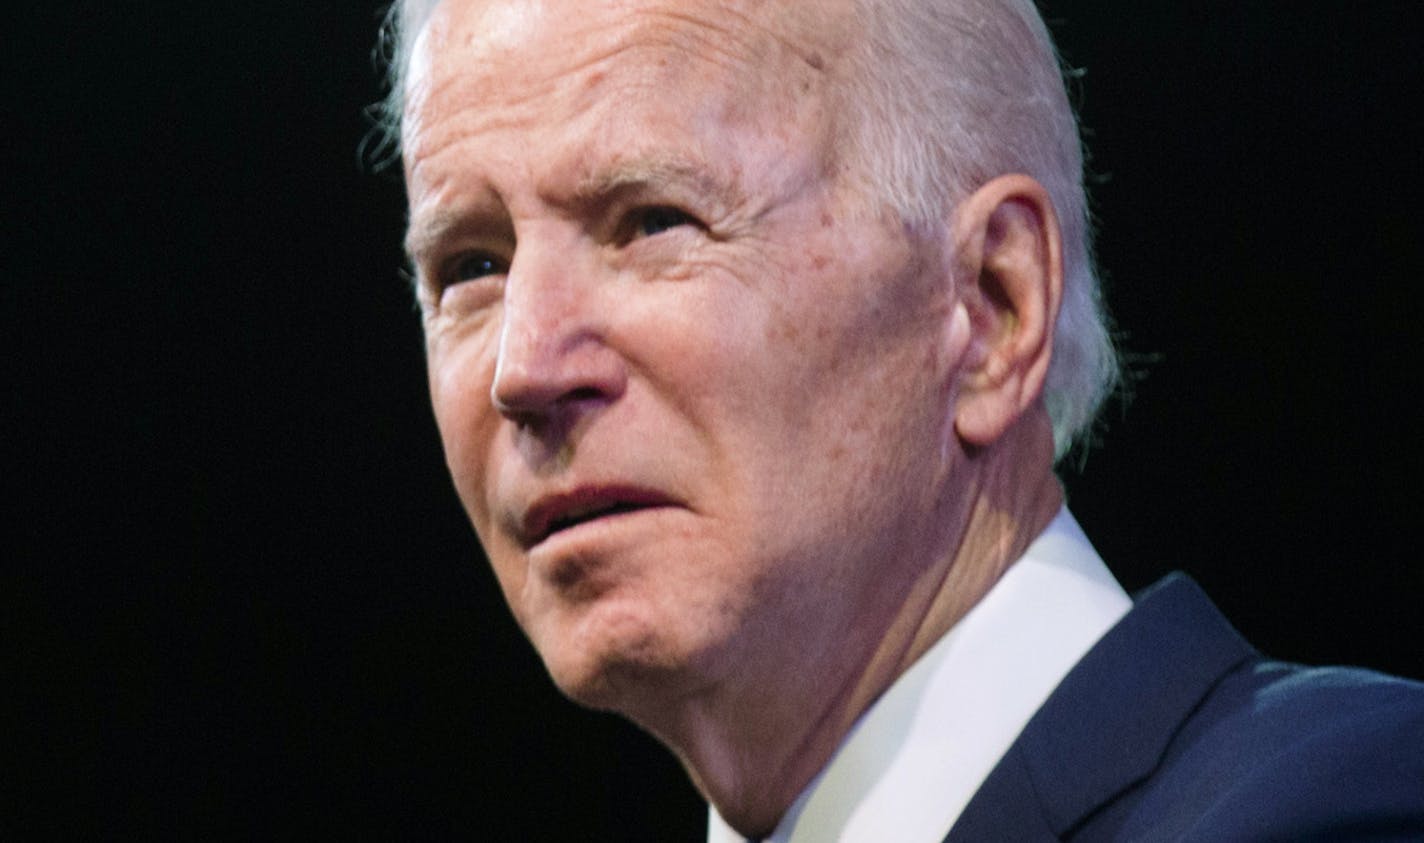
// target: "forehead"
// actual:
[[493, 61]]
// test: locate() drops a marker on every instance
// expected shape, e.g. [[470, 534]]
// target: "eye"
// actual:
[[473, 266], [646, 222]]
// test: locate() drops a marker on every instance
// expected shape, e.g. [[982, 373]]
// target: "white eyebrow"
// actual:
[[637, 173], [429, 229], [426, 231]]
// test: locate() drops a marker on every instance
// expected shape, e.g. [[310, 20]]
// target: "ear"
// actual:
[[1009, 282]]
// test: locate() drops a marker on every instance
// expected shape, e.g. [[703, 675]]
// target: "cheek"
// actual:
[[461, 372], [852, 359], [460, 383], [460, 375]]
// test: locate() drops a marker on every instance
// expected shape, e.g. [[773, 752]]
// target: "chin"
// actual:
[[617, 661]]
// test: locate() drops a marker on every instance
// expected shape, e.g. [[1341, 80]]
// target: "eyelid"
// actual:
[[440, 237], [445, 268], [632, 220]]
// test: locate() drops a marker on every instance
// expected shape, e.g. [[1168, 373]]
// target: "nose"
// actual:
[[554, 358]]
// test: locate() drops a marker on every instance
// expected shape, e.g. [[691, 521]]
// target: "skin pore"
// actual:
[[739, 447]]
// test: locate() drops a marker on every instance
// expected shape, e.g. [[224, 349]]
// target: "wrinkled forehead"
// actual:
[[495, 48], [516, 26]]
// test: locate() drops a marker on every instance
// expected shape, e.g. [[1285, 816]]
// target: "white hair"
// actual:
[[947, 95], [400, 27], [943, 96]]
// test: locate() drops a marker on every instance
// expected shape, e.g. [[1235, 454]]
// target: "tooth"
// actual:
[[582, 511]]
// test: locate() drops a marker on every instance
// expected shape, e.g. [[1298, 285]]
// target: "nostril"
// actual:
[[584, 393], [556, 418], [528, 411], [543, 374]]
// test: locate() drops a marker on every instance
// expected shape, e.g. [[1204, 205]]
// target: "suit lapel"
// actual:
[[1109, 722]]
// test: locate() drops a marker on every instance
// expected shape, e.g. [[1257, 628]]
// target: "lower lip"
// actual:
[[602, 528]]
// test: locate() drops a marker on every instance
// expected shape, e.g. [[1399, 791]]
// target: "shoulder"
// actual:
[[1174, 728], [1288, 752]]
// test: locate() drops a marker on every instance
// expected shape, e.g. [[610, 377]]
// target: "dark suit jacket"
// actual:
[[1174, 728]]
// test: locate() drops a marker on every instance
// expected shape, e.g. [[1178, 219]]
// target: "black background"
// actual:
[[241, 599]]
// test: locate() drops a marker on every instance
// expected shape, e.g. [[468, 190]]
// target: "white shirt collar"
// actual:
[[912, 762]]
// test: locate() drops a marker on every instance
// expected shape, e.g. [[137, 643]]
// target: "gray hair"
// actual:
[[944, 96], [401, 25]]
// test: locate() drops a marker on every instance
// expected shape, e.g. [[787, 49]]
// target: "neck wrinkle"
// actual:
[[1012, 496]]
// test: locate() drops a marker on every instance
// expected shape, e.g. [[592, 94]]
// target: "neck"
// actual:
[[751, 753]]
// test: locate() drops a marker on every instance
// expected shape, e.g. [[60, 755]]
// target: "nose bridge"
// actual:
[[552, 347]]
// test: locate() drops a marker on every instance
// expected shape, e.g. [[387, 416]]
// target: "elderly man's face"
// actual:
[[695, 401]]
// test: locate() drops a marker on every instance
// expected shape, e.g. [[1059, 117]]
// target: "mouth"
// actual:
[[556, 514]]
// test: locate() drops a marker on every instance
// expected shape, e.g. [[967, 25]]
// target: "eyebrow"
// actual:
[[635, 174], [425, 233], [628, 176]]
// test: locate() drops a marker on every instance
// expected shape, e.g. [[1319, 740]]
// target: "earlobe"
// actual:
[[1009, 262]]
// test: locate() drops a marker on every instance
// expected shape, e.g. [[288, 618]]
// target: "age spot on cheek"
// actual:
[[783, 330]]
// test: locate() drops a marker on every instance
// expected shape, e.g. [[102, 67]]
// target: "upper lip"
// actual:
[[553, 512]]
